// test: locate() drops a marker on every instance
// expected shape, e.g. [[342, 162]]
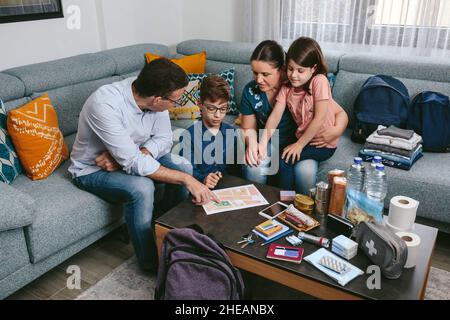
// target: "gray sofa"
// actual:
[[43, 223]]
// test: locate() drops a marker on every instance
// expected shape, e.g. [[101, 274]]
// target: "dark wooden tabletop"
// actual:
[[228, 227]]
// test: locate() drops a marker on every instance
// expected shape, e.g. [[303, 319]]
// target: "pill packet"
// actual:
[[334, 265]]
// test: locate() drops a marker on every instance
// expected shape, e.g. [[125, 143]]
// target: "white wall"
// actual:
[[138, 21], [109, 24], [213, 20], [42, 40]]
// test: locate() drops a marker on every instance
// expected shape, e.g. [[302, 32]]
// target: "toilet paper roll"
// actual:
[[413, 243], [402, 213]]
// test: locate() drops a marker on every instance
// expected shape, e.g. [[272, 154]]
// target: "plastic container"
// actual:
[[376, 184], [355, 175], [370, 169]]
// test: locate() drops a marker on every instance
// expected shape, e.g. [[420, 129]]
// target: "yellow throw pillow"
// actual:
[[35, 133], [190, 64]]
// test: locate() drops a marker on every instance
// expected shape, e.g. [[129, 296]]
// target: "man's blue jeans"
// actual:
[[136, 194]]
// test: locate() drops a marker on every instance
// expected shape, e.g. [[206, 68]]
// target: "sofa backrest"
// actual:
[[417, 73], [70, 81], [221, 55]]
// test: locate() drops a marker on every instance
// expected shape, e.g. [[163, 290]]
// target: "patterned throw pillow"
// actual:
[[188, 108], [34, 130], [10, 166], [191, 96]]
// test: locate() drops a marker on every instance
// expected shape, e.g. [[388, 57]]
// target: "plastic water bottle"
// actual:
[[355, 175], [370, 170], [377, 184]]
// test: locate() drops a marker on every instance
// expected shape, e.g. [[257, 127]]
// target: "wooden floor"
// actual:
[[95, 262], [109, 252]]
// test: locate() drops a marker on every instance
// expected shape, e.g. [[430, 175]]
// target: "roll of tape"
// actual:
[[402, 213], [412, 241]]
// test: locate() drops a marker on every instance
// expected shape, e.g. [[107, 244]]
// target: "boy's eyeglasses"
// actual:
[[213, 109]]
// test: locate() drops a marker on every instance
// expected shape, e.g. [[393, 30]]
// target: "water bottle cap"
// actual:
[[377, 159], [357, 160], [380, 167]]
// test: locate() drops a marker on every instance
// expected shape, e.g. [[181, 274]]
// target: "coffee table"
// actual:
[[228, 227]]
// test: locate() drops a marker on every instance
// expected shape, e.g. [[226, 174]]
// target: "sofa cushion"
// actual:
[[13, 253], [63, 72], [69, 100], [64, 214], [129, 75], [16, 208], [425, 182], [412, 67], [332, 58], [10, 87], [131, 58], [10, 105], [242, 75], [225, 51]]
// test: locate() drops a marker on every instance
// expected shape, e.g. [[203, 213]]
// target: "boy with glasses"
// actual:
[[210, 144]]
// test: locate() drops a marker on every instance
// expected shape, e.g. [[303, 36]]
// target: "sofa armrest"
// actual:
[[16, 208]]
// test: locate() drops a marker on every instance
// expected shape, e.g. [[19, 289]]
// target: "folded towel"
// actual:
[[391, 163], [393, 150], [393, 157], [395, 132], [400, 143]]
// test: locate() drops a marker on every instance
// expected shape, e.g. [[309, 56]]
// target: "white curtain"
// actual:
[[418, 25], [262, 20]]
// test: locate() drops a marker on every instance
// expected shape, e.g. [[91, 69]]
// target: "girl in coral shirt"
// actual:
[[308, 97]]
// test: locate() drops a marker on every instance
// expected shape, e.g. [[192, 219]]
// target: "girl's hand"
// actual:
[[325, 136], [251, 155], [262, 150], [293, 150]]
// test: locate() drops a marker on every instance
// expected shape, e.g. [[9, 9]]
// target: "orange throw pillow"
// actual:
[[36, 136], [190, 64]]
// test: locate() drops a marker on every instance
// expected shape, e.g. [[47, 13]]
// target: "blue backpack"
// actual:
[[382, 100], [429, 116]]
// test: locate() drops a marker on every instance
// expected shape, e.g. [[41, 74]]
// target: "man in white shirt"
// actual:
[[123, 144]]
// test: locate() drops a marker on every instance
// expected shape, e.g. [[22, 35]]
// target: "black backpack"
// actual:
[[383, 100], [429, 116], [192, 266]]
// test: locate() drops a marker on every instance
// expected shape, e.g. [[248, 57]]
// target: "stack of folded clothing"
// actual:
[[399, 148]]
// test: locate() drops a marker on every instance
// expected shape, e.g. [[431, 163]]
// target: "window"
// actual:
[[436, 14], [421, 24]]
